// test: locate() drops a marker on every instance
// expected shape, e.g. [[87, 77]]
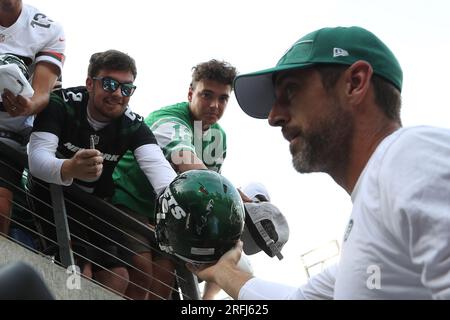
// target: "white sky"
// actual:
[[167, 38]]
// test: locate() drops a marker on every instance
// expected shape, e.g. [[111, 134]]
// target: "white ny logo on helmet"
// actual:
[[168, 203]]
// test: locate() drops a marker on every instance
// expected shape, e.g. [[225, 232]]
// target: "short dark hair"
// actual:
[[214, 70], [387, 96], [111, 60]]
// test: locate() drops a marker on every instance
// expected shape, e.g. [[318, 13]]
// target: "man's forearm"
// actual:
[[66, 170], [42, 161]]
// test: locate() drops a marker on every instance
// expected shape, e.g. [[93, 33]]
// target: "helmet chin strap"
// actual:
[[269, 241]]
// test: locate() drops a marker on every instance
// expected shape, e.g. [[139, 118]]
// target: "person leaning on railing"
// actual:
[[79, 138]]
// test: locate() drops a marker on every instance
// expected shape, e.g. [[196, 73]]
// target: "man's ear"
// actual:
[[89, 84], [190, 93], [357, 79]]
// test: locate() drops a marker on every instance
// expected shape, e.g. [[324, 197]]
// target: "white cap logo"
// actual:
[[338, 52]]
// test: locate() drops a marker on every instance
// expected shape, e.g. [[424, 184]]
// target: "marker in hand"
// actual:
[[92, 142]]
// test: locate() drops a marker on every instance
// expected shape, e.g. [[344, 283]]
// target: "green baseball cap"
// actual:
[[342, 45]]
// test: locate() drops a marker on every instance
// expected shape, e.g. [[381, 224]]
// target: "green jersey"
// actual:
[[175, 131]]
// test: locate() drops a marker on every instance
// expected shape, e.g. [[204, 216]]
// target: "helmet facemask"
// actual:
[[7, 58], [14, 76]]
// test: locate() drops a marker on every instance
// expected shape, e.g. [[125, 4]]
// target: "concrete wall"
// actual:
[[63, 284]]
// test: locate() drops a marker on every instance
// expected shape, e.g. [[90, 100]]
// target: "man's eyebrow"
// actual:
[[280, 77], [211, 91], [290, 75]]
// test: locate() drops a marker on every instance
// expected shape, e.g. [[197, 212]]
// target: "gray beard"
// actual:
[[327, 147], [302, 161]]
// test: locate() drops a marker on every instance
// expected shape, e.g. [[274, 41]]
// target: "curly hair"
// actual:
[[214, 70]]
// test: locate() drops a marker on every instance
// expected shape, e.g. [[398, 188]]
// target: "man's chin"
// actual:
[[207, 124], [300, 162], [210, 120], [300, 166], [295, 149]]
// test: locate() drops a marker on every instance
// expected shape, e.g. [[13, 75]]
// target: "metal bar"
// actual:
[[62, 226], [189, 287], [187, 282]]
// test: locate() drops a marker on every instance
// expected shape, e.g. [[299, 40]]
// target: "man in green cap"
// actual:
[[336, 96]]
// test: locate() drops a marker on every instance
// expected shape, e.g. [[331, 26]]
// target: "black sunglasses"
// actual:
[[111, 85]]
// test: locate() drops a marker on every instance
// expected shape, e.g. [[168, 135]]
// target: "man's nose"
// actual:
[[277, 117], [214, 103], [117, 92]]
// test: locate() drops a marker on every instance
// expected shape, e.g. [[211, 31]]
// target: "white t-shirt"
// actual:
[[35, 38], [397, 243]]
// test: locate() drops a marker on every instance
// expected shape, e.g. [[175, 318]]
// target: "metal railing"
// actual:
[[186, 282], [319, 257]]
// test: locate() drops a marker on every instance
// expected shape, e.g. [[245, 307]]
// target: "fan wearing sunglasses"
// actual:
[[79, 138]]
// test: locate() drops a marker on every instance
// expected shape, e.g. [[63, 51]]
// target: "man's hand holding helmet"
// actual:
[[200, 216]]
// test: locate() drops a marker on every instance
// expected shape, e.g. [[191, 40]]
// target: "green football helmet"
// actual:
[[199, 217], [7, 58]]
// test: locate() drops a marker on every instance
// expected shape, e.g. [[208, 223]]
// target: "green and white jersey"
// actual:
[[175, 131]]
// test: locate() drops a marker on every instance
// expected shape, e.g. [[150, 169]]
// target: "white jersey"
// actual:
[[396, 245], [34, 38]]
